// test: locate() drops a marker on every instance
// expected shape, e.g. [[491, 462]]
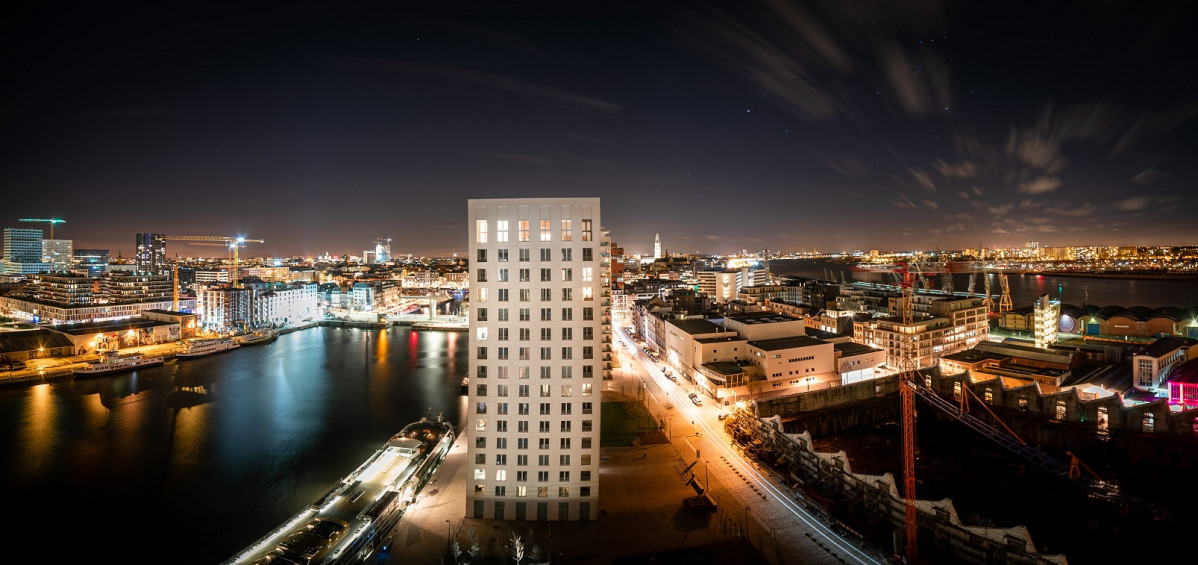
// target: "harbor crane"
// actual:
[[234, 243], [50, 221]]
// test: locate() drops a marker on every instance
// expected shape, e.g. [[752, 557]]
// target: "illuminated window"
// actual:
[[567, 391], [501, 475], [501, 230], [567, 274], [588, 293], [524, 230], [546, 235], [1149, 422], [586, 274], [481, 230], [480, 474], [586, 391], [586, 230], [563, 492], [482, 334], [567, 232]]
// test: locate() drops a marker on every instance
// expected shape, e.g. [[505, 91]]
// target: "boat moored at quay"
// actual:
[[351, 521], [203, 348], [112, 363], [257, 337]]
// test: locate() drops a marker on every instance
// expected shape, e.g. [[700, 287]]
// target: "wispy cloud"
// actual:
[[1040, 185], [1134, 203], [486, 79], [1147, 176], [923, 178], [962, 170]]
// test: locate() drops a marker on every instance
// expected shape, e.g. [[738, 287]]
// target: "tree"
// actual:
[[515, 546]]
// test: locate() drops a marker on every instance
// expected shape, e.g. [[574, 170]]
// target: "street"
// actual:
[[769, 509]]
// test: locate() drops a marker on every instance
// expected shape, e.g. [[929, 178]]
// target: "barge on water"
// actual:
[[352, 519]]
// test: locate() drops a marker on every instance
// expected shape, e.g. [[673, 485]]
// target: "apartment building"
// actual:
[[539, 336], [941, 326]]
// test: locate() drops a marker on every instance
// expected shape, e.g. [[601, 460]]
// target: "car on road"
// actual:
[[695, 398], [723, 416]]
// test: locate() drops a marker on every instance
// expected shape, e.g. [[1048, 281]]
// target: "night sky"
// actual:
[[792, 126]]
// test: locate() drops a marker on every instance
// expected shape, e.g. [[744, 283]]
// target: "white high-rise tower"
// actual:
[[657, 246], [538, 338]]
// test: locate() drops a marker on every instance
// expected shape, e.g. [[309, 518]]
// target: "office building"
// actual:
[[92, 261], [23, 252], [58, 254], [539, 338], [151, 253]]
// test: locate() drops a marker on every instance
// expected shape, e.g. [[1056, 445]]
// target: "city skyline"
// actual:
[[791, 127]]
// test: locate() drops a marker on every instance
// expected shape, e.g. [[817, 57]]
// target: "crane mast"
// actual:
[[907, 399]]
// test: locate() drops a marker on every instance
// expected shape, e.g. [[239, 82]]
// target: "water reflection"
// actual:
[[221, 448]]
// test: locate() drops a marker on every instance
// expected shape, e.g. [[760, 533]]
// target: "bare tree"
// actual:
[[515, 546], [475, 550]]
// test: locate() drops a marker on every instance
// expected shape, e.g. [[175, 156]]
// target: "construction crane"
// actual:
[[233, 242], [906, 387], [50, 221]]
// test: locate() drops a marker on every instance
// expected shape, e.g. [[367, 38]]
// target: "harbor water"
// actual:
[[192, 461], [1025, 289]]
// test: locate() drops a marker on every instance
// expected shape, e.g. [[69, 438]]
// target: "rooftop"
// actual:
[[695, 326], [113, 326], [1167, 345], [849, 348], [29, 340], [724, 368], [762, 318], [787, 343]]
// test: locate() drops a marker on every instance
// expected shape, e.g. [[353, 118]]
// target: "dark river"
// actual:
[[130, 468], [1025, 289]]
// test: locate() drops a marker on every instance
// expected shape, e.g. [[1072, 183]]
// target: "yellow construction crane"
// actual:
[[50, 221], [233, 242]]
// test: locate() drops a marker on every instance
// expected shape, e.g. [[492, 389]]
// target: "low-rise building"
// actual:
[[1152, 364]]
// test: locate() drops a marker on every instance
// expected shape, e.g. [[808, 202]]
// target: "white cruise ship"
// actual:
[[204, 348]]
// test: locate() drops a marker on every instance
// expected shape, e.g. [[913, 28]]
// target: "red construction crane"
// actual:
[[907, 398]]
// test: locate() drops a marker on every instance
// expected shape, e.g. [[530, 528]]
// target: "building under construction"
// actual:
[[870, 506]]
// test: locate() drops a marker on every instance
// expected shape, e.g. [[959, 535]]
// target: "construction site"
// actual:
[[960, 483]]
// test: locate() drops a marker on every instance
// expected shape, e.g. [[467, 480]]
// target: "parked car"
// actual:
[[722, 417]]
